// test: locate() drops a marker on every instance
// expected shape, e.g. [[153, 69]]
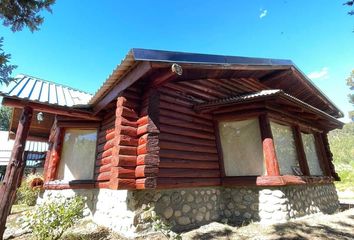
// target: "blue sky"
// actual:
[[82, 41]]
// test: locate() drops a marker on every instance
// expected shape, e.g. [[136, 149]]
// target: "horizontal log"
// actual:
[[120, 183], [125, 130], [178, 163], [126, 112], [107, 119], [184, 117], [109, 125], [174, 100], [105, 146], [149, 147], [185, 132], [103, 161], [106, 153], [186, 139], [193, 92], [102, 184], [103, 168], [183, 110], [146, 183], [123, 172], [205, 89], [143, 171], [127, 150], [170, 182], [186, 147], [147, 137], [104, 176], [148, 128], [148, 159], [181, 123], [106, 134], [184, 155], [124, 161], [131, 96], [126, 140], [186, 173]]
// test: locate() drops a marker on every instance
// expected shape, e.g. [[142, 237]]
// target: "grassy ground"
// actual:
[[336, 226]]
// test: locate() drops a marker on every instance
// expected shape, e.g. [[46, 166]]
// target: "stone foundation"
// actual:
[[130, 212]]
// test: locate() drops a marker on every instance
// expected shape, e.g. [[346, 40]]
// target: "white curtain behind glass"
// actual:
[[308, 141], [77, 159], [242, 148], [285, 148]]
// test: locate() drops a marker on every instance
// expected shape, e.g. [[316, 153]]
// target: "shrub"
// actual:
[[26, 194], [49, 220]]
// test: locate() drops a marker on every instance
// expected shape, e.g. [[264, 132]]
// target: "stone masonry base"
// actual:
[[130, 212]]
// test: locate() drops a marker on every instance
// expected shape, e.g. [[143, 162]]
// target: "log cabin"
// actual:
[[196, 137]]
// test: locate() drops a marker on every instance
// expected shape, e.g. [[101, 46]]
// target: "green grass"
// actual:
[[342, 147]]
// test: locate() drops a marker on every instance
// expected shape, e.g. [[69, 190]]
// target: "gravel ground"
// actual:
[[319, 226]]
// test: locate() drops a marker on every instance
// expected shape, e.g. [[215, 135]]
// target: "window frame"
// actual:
[[62, 148], [217, 122], [55, 146], [265, 180]]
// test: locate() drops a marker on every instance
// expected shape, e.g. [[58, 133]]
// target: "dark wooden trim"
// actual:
[[15, 168], [219, 148], [65, 111], [129, 79], [79, 125], [300, 151], [77, 184], [322, 155], [271, 161]]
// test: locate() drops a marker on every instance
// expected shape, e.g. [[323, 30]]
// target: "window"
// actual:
[[311, 154], [242, 148], [285, 148], [78, 155]]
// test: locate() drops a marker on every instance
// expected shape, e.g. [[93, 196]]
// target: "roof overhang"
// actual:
[[274, 69], [277, 96]]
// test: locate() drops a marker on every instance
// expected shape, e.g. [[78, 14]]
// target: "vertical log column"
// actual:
[[124, 151], [54, 159], [14, 170], [148, 149], [269, 154], [300, 151]]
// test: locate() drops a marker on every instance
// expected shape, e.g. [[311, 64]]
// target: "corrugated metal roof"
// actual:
[[259, 95], [137, 54], [239, 98], [7, 145], [38, 90]]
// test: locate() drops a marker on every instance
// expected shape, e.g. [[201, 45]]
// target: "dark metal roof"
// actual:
[[42, 91], [184, 57]]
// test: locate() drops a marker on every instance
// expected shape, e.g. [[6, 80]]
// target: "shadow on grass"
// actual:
[[307, 231]]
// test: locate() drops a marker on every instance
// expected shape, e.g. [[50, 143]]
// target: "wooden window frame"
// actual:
[[275, 179], [57, 148]]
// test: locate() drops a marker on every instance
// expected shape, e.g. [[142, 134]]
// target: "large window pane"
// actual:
[[78, 155], [308, 141], [285, 148], [242, 148]]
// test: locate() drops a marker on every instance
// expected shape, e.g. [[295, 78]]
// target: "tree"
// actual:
[[350, 83], [18, 14], [5, 116], [350, 3]]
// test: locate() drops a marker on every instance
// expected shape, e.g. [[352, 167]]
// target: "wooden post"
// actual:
[[270, 156], [14, 170], [300, 151]]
